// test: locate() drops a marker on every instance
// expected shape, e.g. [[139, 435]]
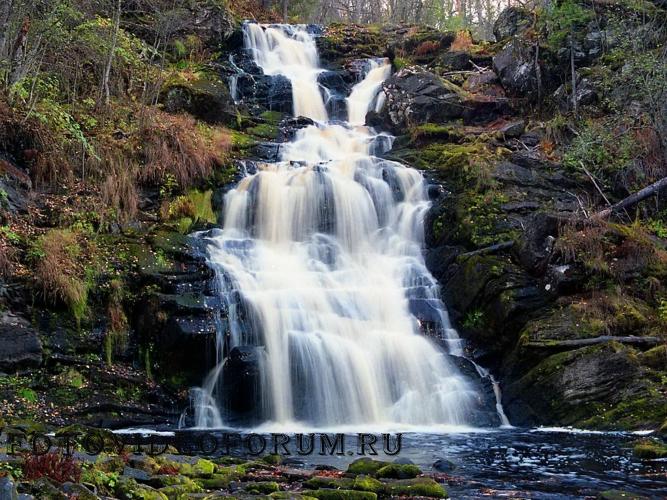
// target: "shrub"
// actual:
[[462, 42], [119, 192], [52, 465]]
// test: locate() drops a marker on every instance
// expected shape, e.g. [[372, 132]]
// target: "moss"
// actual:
[[422, 486], [201, 468], [481, 220], [318, 482], [655, 358], [272, 116], [650, 449], [261, 487], [181, 491], [619, 495], [242, 141], [399, 471], [436, 132], [264, 130], [367, 483], [273, 459], [365, 466], [129, 488], [341, 495], [290, 495]]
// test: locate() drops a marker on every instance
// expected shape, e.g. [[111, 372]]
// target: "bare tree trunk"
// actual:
[[17, 56], [633, 199], [104, 91], [5, 11], [574, 77]]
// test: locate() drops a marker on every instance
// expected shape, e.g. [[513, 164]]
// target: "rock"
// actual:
[[241, 374], [619, 495], [418, 487], [208, 100], [511, 21], [415, 96], [78, 491], [136, 474], [515, 67], [585, 95], [513, 129], [327, 494], [7, 489], [567, 387], [444, 465], [650, 449], [398, 471], [403, 461], [365, 466], [20, 346]]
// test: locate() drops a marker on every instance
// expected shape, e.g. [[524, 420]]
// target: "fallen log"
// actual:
[[633, 199], [574, 344]]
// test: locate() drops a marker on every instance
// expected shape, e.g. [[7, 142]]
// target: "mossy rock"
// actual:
[[182, 490], [650, 449], [273, 459], [261, 487], [367, 483], [341, 495], [365, 466], [619, 495], [398, 471], [264, 130], [222, 477], [317, 482], [423, 486], [290, 495], [129, 489], [655, 358], [201, 468]]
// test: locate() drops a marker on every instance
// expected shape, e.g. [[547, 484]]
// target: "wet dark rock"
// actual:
[[444, 465], [242, 379], [415, 96], [512, 21], [537, 241], [586, 94], [20, 346], [513, 129], [290, 126], [8, 489], [566, 386], [515, 67]]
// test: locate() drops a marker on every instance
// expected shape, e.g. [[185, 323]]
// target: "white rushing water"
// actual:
[[320, 261]]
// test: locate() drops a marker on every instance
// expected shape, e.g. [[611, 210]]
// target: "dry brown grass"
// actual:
[[173, 145], [58, 271], [427, 47], [462, 42], [119, 191], [182, 206]]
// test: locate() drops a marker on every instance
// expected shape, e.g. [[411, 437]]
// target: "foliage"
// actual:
[[562, 19], [53, 465]]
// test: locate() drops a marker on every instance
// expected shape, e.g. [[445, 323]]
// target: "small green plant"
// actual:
[[473, 319], [169, 186], [28, 394], [11, 236]]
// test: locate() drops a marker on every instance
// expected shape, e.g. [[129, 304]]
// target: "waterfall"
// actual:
[[320, 265]]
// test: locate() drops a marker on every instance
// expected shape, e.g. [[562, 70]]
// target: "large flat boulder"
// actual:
[[20, 347]]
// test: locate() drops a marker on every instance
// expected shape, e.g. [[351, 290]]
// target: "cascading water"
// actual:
[[319, 262]]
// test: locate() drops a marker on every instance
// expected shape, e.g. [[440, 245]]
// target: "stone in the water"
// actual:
[[7, 489], [444, 465]]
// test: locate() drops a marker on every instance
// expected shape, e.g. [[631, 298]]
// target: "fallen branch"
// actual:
[[489, 250], [573, 344], [633, 199]]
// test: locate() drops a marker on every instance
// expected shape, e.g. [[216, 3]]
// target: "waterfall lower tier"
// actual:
[[332, 316]]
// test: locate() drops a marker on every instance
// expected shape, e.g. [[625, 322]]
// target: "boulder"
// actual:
[[209, 100], [511, 21], [415, 96], [515, 67], [20, 346]]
